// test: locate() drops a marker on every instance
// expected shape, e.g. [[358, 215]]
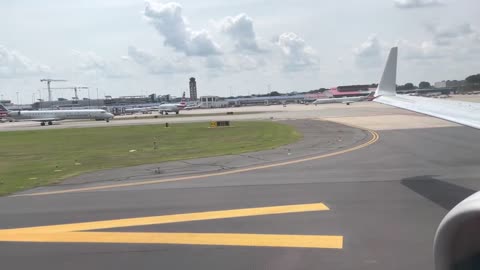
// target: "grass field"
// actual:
[[40, 157]]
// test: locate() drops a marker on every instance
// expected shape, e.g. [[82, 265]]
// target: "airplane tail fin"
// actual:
[[182, 102], [3, 111], [388, 83], [2, 108], [371, 96]]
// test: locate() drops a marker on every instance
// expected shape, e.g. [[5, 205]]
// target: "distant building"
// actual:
[[193, 89], [313, 96], [449, 84], [357, 87], [163, 98], [127, 100], [68, 104], [109, 101], [6, 102], [18, 107], [212, 102], [269, 100], [351, 90]]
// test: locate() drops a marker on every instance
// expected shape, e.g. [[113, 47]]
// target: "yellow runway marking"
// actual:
[[374, 139], [176, 218], [216, 239], [76, 233]]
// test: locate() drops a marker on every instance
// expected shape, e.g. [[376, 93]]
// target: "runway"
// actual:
[[374, 207], [369, 111]]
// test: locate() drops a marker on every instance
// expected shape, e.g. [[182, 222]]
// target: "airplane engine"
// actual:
[[457, 241]]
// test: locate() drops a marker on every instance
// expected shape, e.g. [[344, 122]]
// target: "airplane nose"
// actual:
[[110, 116]]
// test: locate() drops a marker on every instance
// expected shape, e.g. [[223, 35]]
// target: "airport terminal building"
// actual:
[[351, 90]]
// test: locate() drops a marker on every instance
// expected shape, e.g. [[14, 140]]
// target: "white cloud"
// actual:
[[455, 42], [416, 3], [369, 53], [240, 29], [155, 64], [215, 62], [234, 63], [297, 52], [139, 56], [246, 62], [445, 36], [91, 64], [14, 64], [421, 51], [169, 22]]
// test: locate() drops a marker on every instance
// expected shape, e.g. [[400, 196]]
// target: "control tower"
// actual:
[[193, 89]]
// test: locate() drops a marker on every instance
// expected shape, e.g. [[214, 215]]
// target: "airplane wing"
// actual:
[[44, 119], [465, 113]]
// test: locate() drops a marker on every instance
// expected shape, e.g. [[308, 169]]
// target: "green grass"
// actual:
[[41, 157]]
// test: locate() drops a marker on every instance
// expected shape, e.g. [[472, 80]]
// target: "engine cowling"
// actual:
[[457, 240]]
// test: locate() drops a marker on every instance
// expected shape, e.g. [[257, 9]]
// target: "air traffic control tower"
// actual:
[[193, 89]]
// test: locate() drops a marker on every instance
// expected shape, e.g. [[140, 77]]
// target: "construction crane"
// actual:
[[75, 89], [48, 86]]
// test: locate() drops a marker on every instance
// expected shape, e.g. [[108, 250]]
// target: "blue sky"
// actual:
[[127, 47]]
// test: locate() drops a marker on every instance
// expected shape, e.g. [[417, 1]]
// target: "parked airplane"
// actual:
[[55, 115], [173, 107], [465, 113], [344, 100], [138, 110], [3, 113], [192, 107]]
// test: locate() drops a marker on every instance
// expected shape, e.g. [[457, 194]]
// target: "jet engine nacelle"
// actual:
[[457, 241]]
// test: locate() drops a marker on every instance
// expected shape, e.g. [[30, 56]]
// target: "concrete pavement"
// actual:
[[385, 200], [366, 112]]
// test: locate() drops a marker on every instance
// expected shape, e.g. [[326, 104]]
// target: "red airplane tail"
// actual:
[[182, 102], [3, 110], [371, 96]]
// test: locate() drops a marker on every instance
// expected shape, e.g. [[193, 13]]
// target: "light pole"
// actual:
[[18, 100]]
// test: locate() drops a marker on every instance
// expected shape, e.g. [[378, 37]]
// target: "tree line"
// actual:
[[472, 80]]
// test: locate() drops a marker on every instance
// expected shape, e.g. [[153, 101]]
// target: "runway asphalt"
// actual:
[[370, 110], [360, 202]]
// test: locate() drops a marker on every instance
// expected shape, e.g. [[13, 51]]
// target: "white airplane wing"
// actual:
[[43, 119], [465, 113]]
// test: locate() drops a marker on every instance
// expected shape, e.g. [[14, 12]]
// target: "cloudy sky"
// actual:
[[129, 47]]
